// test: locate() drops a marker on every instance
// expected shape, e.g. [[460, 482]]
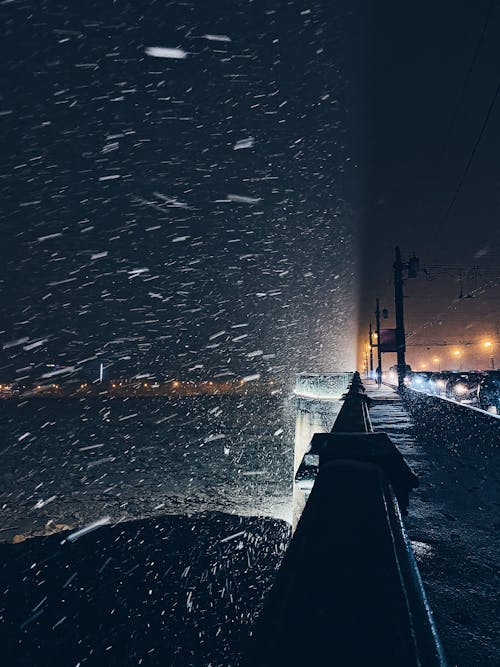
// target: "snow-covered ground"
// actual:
[[453, 525]]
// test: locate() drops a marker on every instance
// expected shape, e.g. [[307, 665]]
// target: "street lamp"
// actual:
[[489, 346], [458, 355], [368, 348], [437, 360]]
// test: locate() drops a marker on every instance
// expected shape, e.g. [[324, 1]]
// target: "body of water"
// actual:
[[70, 462]]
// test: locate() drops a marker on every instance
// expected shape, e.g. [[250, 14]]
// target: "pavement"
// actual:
[[384, 392], [453, 526]]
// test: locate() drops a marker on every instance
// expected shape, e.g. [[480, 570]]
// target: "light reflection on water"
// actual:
[[67, 462]]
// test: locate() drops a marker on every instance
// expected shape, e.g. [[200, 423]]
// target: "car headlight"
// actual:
[[460, 389]]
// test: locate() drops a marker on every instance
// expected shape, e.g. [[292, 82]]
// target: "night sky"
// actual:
[[190, 216], [433, 72]]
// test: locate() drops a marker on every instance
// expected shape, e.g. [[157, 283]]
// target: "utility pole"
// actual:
[[379, 353], [400, 324], [371, 350]]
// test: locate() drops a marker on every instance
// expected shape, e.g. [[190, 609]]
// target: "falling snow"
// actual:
[[163, 52], [175, 206]]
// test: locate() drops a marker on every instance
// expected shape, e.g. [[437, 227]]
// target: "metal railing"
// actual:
[[354, 416], [348, 591]]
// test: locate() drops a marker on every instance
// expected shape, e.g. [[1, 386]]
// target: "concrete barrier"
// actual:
[[456, 424]]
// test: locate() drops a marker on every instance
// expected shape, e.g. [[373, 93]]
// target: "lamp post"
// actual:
[[411, 267], [489, 346], [379, 352], [371, 350], [400, 326], [458, 356], [397, 340]]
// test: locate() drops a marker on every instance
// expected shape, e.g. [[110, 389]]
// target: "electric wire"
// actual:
[[472, 155], [465, 84]]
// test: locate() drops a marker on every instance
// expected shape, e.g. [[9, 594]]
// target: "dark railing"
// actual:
[[354, 416], [348, 591]]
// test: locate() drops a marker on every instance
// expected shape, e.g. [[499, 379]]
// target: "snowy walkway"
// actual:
[[451, 523]]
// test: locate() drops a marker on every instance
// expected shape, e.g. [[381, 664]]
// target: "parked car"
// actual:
[[489, 392], [463, 387]]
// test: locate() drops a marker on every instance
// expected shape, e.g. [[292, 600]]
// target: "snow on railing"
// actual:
[[322, 386]]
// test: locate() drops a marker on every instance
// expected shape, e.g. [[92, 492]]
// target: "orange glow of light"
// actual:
[[175, 383]]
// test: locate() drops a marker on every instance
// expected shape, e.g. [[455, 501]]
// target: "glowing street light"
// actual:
[[437, 360], [458, 355], [489, 346]]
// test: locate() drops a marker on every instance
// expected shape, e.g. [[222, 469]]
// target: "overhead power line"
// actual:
[[473, 153], [465, 84], [445, 343]]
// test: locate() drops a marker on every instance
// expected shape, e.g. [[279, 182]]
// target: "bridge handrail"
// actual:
[[349, 586]]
